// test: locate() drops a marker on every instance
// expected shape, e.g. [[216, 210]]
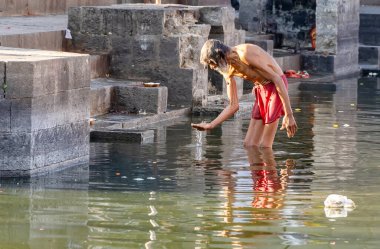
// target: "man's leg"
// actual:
[[254, 133], [269, 133]]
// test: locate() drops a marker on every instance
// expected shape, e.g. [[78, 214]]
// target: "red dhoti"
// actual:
[[268, 105]]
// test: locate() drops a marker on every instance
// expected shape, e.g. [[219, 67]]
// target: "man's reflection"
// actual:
[[268, 183]]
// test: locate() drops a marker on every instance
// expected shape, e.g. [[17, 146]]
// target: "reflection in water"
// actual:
[[269, 185], [204, 190]]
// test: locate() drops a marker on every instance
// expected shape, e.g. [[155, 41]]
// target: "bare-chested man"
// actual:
[[252, 63]]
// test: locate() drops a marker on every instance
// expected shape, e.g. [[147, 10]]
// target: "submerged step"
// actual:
[[122, 135]]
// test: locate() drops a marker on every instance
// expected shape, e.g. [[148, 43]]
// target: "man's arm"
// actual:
[[230, 110]]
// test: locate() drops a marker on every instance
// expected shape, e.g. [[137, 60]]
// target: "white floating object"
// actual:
[[138, 179], [338, 201], [346, 125]]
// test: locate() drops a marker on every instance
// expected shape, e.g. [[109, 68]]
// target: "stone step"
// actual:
[[45, 33], [122, 135], [44, 110], [369, 30], [37, 32], [45, 7], [369, 55], [109, 95], [139, 120]]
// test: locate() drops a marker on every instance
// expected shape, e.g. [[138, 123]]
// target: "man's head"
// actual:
[[213, 54]]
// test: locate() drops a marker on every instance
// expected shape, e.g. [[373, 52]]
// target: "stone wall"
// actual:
[[44, 110], [337, 25], [289, 20], [146, 43]]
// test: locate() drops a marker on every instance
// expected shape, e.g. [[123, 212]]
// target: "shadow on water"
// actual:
[[191, 189]]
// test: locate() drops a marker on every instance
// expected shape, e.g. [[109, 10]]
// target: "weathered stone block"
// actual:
[[179, 83], [179, 22], [39, 73], [139, 98], [92, 21], [117, 22], [45, 110], [102, 97], [95, 43], [318, 63], [15, 151], [19, 79], [147, 21], [169, 51], [189, 51], [60, 144], [61, 108], [145, 49], [221, 19], [74, 20]]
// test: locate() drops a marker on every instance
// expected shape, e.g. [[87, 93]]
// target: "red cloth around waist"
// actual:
[[268, 105]]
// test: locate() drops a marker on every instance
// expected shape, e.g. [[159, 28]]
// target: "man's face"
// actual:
[[222, 68]]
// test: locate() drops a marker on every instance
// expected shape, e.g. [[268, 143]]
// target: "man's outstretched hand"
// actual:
[[289, 123], [202, 126]]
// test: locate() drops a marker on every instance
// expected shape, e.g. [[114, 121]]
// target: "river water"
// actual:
[[192, 189]]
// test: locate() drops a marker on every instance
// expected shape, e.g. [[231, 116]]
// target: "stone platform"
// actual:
[[44, 110]]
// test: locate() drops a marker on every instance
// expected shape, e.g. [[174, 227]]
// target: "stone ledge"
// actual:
[[122, 135], [136, 121]]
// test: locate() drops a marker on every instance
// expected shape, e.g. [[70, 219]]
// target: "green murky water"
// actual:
[[204, 190]]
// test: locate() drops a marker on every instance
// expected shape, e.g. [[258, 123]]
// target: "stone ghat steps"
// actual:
[[126, 111], [46, 7], [37, 32]]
